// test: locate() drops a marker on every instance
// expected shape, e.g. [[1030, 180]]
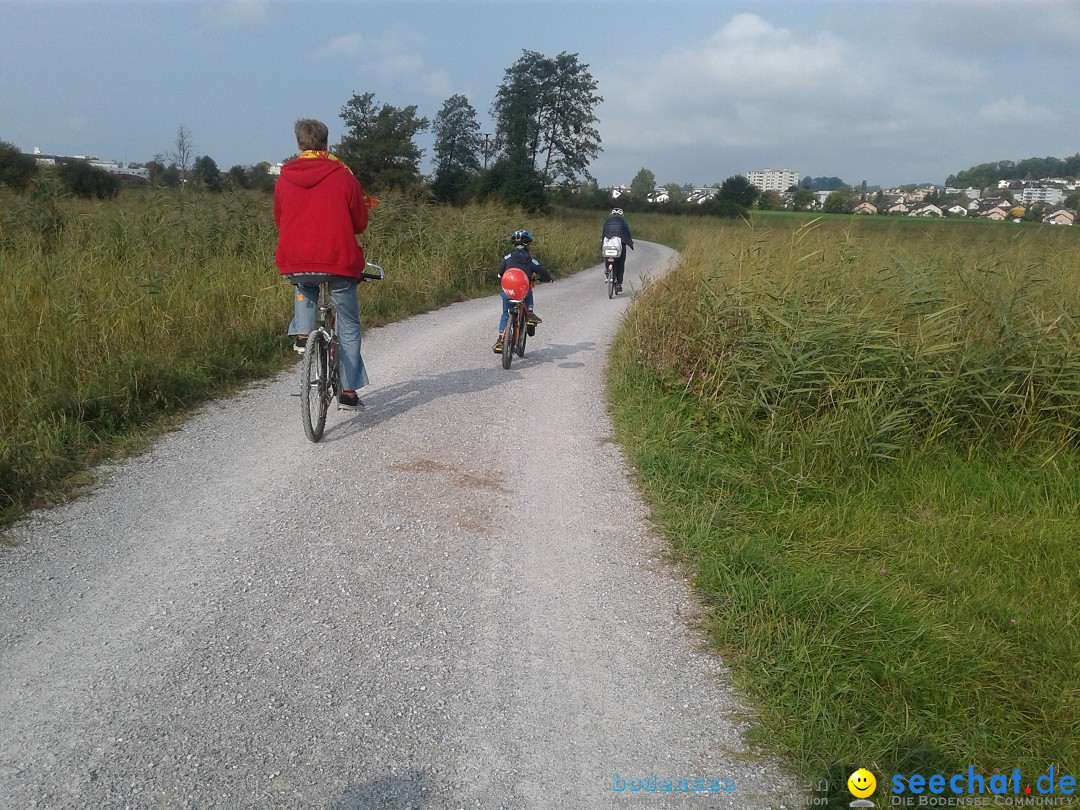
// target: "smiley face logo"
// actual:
[[861, 783]]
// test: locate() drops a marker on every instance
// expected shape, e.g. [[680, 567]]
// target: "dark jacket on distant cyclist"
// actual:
[[617, 226], [522, 259]]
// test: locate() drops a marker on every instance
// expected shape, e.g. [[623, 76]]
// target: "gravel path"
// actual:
[[452, 601]]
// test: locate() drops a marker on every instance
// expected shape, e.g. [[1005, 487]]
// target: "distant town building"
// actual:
[[773, 179], [129, 173], [1046, 196]]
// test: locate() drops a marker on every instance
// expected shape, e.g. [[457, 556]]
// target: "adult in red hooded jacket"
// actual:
[[319, 207]]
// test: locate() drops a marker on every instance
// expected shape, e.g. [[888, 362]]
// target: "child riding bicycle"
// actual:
[[521, 258]]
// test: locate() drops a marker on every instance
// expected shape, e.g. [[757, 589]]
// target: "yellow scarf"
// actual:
[[369, 201]]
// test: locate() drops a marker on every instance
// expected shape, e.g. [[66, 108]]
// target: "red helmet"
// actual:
[[515, 283]]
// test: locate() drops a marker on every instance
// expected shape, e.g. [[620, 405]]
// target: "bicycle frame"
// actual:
[[516, 331], [320, 381]]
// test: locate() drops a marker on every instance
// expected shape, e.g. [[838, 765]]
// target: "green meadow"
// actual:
[[861, 438]]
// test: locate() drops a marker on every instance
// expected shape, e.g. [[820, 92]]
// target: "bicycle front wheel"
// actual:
[[509, 337], [315, 390], [522, 333]]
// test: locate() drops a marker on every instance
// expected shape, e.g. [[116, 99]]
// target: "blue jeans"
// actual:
[[347, 306], [506, 308]]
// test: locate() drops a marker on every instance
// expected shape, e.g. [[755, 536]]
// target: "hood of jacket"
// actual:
[[309, 172]]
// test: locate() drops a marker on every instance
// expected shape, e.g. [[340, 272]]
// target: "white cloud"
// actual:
[[346, 46], [393, 60], [1015, 111]]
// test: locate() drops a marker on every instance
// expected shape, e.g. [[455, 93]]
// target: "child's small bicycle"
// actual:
[[516, 284], [319, 371]]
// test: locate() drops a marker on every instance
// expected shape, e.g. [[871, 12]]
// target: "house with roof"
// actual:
[[864, 208], [1062, 216], [926, 211]]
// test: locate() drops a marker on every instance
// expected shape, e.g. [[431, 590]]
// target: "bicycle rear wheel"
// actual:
[[610, 281], [315, 390]]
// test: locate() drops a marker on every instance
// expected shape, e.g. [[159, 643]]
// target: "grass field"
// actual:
[[123, 314], [861, 438]]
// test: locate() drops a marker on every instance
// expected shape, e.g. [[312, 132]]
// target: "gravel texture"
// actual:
[[453, 600]]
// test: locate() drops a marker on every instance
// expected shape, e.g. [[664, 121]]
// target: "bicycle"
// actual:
[[319, 371], [516, 284], [611, 249]]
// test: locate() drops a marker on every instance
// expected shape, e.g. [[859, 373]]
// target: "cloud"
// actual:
[[394, 60], [1015, 111], [756, 93], [346, 46]]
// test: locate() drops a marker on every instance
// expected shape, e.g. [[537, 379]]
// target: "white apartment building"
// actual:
[[773, 179], [1047, 196]]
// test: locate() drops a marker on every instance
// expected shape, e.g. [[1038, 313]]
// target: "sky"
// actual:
[[883, 91]]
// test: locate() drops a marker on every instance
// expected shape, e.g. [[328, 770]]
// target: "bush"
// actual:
[[84, 180], [16, 169]]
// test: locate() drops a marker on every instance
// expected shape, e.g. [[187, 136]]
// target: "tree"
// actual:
[[643, 184], [183, 152], [458, 143], [770, 201], [545, 114], [739, 190], [236, 178], [259, 177], [458, 147], [676, 194], [804, 198], [206, 174], [841, 201], [378, 144], [84, 180], [16, 169]]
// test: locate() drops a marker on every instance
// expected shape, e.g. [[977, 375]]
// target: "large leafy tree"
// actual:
[[643, 184], [545, 114], [458, 149], [739, 190], [378, 143], [458, 142], [206, 174]]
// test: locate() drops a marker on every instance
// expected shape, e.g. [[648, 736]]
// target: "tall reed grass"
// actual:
[[124, 311], [863, 441]]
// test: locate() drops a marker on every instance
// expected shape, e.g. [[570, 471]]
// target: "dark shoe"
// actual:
[[497, 348], [618, 288], [533, 319], [300, 344], [350, 402]]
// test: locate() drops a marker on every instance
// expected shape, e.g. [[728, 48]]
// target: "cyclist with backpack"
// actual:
[[616, 225], [520, 257]]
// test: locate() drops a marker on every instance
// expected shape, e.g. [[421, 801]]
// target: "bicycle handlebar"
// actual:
[[373, 276]]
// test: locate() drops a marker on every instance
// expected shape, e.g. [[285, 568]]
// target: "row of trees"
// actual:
[[545, 134], [985, 175]]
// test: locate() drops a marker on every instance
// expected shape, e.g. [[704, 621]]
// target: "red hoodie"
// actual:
[[318, 208]]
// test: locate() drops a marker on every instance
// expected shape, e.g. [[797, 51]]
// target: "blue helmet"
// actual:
[[521, 238]]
